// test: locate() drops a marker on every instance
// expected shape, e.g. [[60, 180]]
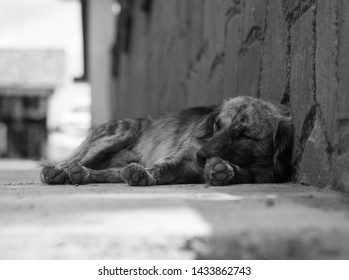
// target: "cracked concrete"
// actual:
[[115, 221]]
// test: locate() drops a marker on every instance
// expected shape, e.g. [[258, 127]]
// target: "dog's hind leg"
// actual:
[[95, 152], [79, 174], [52, 174]]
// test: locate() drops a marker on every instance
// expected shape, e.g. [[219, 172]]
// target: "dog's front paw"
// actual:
[[135, 174], [53, 175], [78, 174], [218, 172]]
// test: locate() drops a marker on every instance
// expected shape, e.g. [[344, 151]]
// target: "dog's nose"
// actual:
[[202, 155]]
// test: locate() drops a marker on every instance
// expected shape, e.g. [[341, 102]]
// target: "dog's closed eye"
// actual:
[[244, 133], [249, 137]]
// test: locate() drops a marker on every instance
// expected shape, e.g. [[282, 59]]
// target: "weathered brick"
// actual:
[[314, 167], [215, 82], [195, 34], [294, 9], [175, 93], [254, 13], [301, 70], [248, 75], [342, 133], [231, 59], [214, 37], [122, 87], [290, 5], [341, 161], [163, 36], [340, 180], [196, 83], [214, 19], [343, 61], [274, 73], [326, 51], [245, 34], [137, 64]]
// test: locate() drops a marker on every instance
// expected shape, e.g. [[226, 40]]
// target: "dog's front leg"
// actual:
[[219, 172]]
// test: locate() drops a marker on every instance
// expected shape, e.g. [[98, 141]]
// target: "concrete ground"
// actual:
[[115, 221]]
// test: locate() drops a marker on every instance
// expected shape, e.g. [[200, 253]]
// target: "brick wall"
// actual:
[[178, 53]]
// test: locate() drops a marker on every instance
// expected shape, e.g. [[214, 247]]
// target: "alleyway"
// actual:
[[167, 222]]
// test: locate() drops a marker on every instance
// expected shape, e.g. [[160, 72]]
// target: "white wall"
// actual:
[[101, 36]]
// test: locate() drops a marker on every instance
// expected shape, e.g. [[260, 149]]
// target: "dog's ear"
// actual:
[[283, 142], [206, 129]]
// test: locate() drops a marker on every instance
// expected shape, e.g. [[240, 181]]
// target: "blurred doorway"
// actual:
[[42, 26]]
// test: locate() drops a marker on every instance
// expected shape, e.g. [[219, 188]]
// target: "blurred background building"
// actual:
[[28, 78], [52, 54]]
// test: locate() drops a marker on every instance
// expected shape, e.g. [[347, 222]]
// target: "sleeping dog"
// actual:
[[242, 140]]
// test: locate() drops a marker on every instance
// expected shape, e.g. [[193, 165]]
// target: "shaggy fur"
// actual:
[[243, 140]]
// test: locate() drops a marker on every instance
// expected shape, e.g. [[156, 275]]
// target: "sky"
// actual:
[[42, 24]]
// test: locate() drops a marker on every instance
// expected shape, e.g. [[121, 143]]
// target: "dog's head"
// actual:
[[250, 133]]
